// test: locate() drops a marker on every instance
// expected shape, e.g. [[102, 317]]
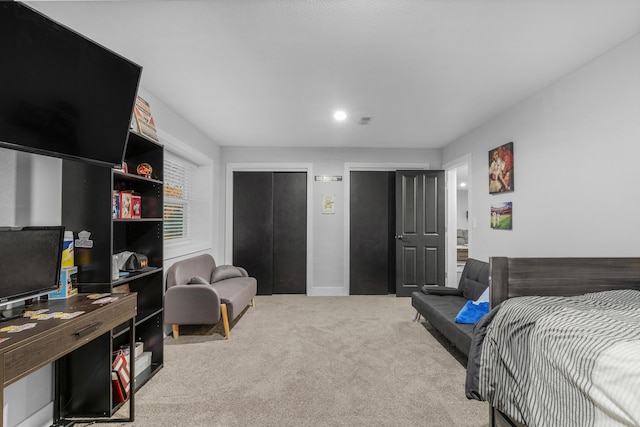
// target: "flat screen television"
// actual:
[[30, 262], [62, 94]]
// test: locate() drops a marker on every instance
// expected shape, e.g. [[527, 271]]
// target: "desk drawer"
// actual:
[[61, 340]]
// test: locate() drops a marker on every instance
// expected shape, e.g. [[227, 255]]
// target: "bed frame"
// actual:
[[513, 277]]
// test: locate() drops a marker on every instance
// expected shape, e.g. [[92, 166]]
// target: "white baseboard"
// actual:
[[327, 291]]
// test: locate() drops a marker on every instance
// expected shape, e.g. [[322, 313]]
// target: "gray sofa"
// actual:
[[201, 293], [440, 310]]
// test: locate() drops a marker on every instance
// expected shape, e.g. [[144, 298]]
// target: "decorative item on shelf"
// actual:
[[143, 123], [67, 286], [132, 261], [115, 204], [115, 271], [144, 169], [124, 168], [125, 204], [67, 250], [136, 206]]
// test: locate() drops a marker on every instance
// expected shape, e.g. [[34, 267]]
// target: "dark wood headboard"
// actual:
[[513, 277]]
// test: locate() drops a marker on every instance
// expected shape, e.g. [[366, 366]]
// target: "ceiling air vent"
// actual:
[[365, 120]]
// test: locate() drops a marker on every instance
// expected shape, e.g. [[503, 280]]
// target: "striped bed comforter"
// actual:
[[560, 361]]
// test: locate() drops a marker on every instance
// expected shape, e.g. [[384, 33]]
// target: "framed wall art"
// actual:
[[501, 215], [501, 177], [328, 204]]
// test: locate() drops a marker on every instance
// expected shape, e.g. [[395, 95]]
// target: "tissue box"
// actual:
[[68, 284]]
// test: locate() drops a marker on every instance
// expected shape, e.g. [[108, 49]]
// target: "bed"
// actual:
[[567, 350]]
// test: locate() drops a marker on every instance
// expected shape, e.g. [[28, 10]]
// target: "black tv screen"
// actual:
[[61, 94], [30, 261]]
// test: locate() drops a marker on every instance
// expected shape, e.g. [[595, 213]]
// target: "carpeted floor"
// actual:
[[295, 360]]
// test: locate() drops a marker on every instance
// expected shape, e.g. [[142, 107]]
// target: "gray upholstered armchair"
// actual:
[[199, 293]]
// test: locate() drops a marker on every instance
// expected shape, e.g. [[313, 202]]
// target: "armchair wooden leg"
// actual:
[[176, 331], [253, 302], [225, 320]]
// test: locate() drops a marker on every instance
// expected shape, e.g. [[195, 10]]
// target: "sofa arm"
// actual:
[[191, 305]]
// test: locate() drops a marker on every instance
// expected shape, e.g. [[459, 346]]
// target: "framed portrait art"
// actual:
[[501, 177]]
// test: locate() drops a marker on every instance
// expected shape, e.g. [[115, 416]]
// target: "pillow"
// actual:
[[441, 290], [472, 312], [197, 280], [222, 272]]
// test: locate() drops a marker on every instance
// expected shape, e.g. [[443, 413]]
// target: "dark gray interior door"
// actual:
[[270, 229], [420, 221], [372, 226]]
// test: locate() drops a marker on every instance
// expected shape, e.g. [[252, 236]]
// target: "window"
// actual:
[[179, 176], [188, 198]]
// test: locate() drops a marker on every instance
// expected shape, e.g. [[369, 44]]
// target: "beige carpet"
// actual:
[[295, 360]]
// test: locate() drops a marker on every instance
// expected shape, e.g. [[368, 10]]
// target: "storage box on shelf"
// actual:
[[88, 205]]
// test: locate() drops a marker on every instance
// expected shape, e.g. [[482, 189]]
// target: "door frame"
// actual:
[[451, 212], [269, 167], [348, 167]]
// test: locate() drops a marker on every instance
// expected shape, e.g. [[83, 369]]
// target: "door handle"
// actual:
[[399, 237]]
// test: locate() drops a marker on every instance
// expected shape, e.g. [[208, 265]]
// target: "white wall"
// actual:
[[32, 196], [576, 151], [327, 231], [462, 208], [186, 140], [8, 185]]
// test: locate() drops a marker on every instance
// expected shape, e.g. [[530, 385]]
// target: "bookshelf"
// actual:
[[87, 196]]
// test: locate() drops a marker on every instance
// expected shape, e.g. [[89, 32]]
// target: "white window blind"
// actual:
[[179, 176]]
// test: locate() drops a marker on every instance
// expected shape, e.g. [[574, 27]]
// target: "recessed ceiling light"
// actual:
[[339, 115], [463, 184]]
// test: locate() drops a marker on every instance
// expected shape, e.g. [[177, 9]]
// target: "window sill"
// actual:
[[182, 249]]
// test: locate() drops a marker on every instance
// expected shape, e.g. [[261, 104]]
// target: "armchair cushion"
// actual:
[[192, 305], [223, 272], [237, 293], [197, 280]]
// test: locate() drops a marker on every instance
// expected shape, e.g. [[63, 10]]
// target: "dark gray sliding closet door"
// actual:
[[270, 229]]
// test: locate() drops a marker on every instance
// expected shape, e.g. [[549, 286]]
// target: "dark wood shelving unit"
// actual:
[[87, 192]]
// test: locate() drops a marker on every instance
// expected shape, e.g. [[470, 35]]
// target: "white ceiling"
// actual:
[[271, 72]]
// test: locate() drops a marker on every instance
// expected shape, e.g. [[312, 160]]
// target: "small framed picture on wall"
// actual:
[[501, 215], [501, 177]]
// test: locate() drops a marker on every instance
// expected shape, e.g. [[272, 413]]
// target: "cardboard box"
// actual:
[[115, 204], [68, 284], [136, 206], [139, 348], [125, 204]]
